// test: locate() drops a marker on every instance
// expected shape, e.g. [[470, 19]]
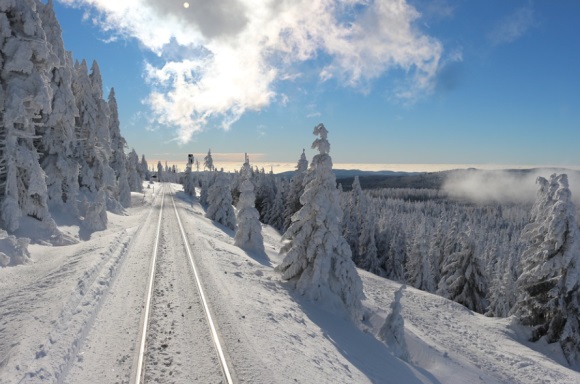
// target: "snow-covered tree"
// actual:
[[27, 63], [393, 330], [56, 133], [189, 180], [133, 176], [549, 286], [105, 175], [118, 157], [367, 244], [418, 266], [295, 190], [208, 162], [316, 255], [249, 230], [204, 188], [265, 194], [361, 232], [144, 169], [462, 277], [355, 217], [159, 172], [275, 216], [220, 207]]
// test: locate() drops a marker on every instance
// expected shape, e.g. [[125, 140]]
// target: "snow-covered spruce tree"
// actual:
[[144, 169], [208, 162], [90, 154], [549, 286], [462, 277], [502, 291], [189, 180], [396, 257], [249, 230], [27, 63], [56, 134], [362, 230], [239, 177], [295, 190], [118, 157], [160, 172], [354, 220], [419, 272], [275, 215], [204, 189], [316, 255], [393, 330], [265, 194], [367, 244], [220, 202], [102, 169], [133, 176]]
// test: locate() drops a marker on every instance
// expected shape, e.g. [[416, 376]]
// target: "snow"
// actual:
[[72, 315]]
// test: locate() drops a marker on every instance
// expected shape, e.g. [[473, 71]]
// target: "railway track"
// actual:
[[179, 340]]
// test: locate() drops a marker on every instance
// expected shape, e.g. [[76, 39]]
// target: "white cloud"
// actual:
[[222, 58], [513, 26]]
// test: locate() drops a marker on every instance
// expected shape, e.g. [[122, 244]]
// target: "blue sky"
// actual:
[[429, 82]]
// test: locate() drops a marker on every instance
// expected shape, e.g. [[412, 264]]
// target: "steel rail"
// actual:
[[210, 321], [139, 376]]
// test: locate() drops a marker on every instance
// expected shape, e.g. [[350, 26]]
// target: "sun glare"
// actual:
[[186, 5]]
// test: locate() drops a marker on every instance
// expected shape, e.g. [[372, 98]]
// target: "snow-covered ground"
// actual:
[[73, 316]]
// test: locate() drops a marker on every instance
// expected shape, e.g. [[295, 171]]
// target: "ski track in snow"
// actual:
[[73, 319]]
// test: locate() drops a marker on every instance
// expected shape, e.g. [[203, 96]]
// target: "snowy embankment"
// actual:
[[52, 326]]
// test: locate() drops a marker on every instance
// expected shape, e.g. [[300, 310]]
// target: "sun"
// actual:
[[186, 5]]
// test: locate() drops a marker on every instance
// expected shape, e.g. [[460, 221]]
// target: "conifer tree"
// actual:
[[275, 215], [133, 176], [549, 286], [159, 172], [419, 269], [118, 157], [220, 202], [144, 169], [249, 230], [295, 190], [26, 69], [189, 181], [208, 162], [56, 133], [353, 230], [316, 255], [362, 229], [462, 276], [204, 189]]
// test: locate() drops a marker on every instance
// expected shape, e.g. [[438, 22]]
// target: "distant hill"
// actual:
[[346, 173], [435, 180], [431, 180]]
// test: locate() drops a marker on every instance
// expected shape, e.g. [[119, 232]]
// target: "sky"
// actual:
[[400, 85]]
